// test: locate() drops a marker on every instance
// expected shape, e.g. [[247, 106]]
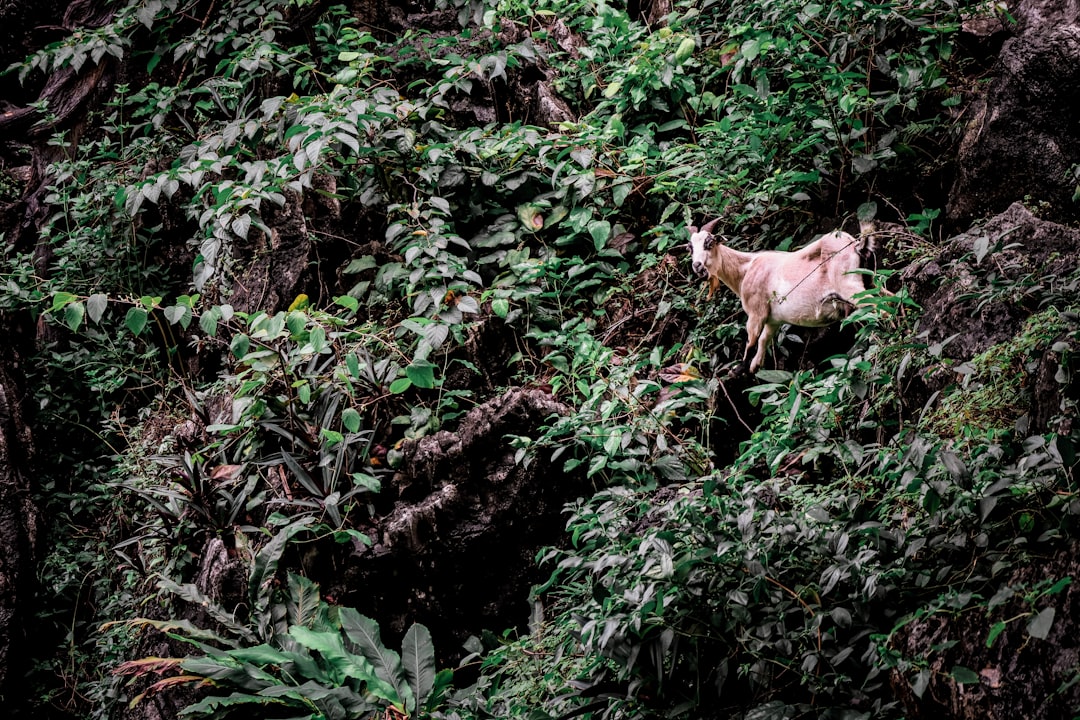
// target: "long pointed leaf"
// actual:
[[265, 567], [301, 663], [259, 655], [193, 595], [216, 702], [303, 602], [443, 679], [365, 633], [224, 669], [301, 474], [180, 629], [418, 659], [332, 701], [332, 649]]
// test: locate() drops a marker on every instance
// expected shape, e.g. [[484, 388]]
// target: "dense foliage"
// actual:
[[761, 578]]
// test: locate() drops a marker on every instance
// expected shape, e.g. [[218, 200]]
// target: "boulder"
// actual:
[[1022, 139]]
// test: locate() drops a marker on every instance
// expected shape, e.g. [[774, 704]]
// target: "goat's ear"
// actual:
[[692, 230]]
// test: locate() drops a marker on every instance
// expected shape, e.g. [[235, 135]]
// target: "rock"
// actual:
[[981, 291], [1022, 139], [273, 267], [963, 295], [1045, 13], [1019, 676], [460, 541]]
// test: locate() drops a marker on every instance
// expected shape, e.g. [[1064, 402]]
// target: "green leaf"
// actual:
[[364, 632], [686, 49], [303, 603], [782, 377], [350, 418], [434, 333], [620, 192], [600, 230], [422, 375], [95, 306], [867, 211], [360, 264], [418, 660], [1059, 586], [353, 364], [1040, 625], [225, 669], [239, 345], [995, 630], [530, 217], [501, 307], [178, 314], [260, 655], [750, 49], [964, 676], [344, 536], [302, 475], [135, 320], [264, 568], [443, 679], [73, 315], [348, 302], [186, 628], [209, 320], [922, 681], [317, 338], [400, 385], [344, 663], [296, 321], [214, 703], [332, 437], [61, 299], [369, 482]]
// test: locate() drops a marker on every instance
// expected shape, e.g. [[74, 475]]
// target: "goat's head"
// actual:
[[701, 242]]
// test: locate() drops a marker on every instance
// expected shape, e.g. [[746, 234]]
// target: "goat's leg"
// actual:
[[764, 340], [753, 331]]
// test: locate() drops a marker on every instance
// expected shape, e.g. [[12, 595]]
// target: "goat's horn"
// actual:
[[708, 227]]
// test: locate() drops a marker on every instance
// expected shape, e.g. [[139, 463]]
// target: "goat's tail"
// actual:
[[867, 237]]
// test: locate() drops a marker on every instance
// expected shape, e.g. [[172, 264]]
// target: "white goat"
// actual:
[[811, 287]]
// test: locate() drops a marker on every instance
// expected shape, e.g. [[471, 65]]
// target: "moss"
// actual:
[[995, 392]]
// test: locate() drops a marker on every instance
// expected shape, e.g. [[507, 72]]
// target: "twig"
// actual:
[[732, 403]]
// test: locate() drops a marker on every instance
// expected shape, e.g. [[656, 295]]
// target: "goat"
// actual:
[[810, 287]]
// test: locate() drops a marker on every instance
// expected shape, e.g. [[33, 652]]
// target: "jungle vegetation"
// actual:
[[750, 548]]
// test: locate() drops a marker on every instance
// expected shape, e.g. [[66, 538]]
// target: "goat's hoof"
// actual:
[[737, 370]]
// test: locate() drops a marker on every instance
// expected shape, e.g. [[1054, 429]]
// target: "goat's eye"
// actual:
[[709, 241]]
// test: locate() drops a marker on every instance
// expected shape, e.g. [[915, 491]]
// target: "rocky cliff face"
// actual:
[[1020, 140]]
